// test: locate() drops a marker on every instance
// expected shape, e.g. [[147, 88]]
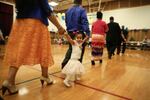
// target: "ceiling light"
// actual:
[[53, 3]]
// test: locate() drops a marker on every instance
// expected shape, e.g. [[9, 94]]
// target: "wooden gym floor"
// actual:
[[124, 77]]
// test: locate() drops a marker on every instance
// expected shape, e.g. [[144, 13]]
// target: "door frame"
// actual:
[[14, 13]]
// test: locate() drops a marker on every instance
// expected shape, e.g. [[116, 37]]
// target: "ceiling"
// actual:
[[65, 4]]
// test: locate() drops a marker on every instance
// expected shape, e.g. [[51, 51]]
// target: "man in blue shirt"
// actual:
[[76, 21]]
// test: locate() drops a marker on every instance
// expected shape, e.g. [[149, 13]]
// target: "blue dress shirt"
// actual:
[[76, 20], [39, 11]]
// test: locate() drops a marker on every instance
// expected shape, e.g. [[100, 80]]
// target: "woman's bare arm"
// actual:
[[69, 39]]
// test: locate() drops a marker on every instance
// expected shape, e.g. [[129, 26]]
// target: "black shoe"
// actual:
[[113, 54], [100, 61], [92, 62], [62, 66], [118, 53], [109, 56], [122, 52]]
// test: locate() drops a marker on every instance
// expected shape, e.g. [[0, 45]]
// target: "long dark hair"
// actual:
[[24, 4]]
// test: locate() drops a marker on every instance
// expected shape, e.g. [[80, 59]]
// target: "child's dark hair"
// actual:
[[78, 33]]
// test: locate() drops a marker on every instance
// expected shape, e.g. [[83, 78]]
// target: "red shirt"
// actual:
[[99, 27]]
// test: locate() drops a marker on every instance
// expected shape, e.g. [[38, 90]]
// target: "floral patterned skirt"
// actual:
[[98, 42], [28, 44]]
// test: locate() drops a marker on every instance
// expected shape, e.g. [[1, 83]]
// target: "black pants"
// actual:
[[110, 48], [69, 51], [118, 48], [123, 47]]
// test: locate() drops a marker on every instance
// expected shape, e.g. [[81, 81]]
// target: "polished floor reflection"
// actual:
[[124, 77]]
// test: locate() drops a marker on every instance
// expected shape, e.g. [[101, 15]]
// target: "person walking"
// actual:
[[113, 37], [74, 68], [124, 33], [29, 41], [99, 29]]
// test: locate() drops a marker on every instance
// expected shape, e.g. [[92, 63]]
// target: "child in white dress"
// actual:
[[74, 69]]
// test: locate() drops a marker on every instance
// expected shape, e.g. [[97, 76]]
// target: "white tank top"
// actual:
[[76, 51]]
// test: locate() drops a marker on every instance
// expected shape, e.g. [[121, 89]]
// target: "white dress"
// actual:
[[74, 66]]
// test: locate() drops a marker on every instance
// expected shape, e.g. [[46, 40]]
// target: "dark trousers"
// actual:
[[118, 48], [123, 47], [110, 48], [69, 51]]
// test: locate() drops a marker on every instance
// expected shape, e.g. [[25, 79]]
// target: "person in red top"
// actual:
[[99, 29]]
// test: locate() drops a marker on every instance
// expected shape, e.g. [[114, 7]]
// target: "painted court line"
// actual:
[[32, 79], [100, 90], [35, 78]]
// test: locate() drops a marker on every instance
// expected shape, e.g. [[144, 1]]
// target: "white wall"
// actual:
[[133, 18]]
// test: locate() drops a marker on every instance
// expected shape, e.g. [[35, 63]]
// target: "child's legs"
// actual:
[[78, 76], [70, 77]]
